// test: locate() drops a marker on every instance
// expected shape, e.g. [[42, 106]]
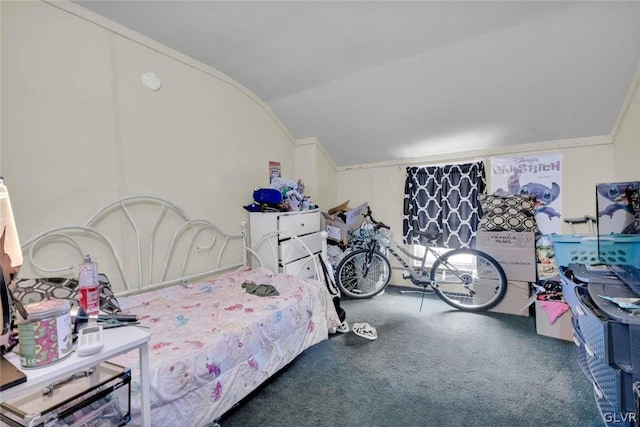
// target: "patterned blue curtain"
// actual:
[[443, 199]]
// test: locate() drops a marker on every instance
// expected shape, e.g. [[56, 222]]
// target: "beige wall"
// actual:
[[626, 135], [586, 162], [317, 170], [79, 129]]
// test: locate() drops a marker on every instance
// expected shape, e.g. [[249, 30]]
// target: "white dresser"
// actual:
[[281, 252]]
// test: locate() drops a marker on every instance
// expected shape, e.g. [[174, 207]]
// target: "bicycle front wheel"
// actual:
[[469, 280], [362, 274]]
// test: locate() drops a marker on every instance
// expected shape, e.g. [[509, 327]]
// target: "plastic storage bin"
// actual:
[[100, 397], [636, 394], [614, 249], [574, 249], [620, 249]]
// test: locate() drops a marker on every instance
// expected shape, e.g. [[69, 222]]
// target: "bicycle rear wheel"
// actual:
[[469, 280], [362, 274]]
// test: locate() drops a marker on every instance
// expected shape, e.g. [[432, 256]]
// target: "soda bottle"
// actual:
[[89, 287]]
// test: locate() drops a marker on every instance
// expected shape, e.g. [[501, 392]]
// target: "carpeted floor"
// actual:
[[435, 367]]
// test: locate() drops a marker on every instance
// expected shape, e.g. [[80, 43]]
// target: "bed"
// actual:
[[218, 330]]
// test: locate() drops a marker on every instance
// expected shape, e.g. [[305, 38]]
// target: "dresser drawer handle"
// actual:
[[588, 350], [579, 310], [598, 391]]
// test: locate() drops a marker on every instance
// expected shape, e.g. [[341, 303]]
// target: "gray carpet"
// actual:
[[435, 367]]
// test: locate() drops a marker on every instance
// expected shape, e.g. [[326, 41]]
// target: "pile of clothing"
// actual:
[[281, 196], [549, 293]]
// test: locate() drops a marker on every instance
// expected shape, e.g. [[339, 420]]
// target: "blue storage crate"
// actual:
[[575, 249], [613, 249], [620, 249], [615, 385]]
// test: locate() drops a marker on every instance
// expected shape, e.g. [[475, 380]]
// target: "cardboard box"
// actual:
[[342, 220], [561, 328], [517, 299], [515, 251]]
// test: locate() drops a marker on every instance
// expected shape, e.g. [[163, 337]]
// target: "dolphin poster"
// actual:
[[539, 175]]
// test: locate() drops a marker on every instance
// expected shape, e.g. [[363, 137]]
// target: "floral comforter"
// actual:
[[213, 343]]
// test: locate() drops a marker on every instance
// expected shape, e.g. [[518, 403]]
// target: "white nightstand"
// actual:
[[116, 341], [281, 252]]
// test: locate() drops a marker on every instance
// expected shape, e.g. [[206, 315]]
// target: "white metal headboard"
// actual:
[[186, 240]]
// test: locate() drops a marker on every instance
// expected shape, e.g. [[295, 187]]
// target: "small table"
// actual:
[[116, 341]]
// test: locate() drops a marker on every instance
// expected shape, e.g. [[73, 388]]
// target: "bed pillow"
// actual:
[[28, 291], [507, 213]]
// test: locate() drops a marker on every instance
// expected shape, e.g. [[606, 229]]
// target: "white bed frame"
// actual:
[[127, 236], [145, 228]]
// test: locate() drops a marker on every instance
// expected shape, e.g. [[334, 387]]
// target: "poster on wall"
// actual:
[[274, 170], [539, 175]]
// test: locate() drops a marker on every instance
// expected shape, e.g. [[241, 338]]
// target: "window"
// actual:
[[443, 199]]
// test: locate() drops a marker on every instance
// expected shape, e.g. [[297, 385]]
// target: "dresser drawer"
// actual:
[[580, 351], [605, 407], [636, 397], [625, 346], [293, 249], [592, 327], [616, 385], [274, 238], [613, 342], [299, 224], [611, 416], [304, 267]]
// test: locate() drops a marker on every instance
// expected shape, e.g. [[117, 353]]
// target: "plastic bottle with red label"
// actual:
[[89, 287]]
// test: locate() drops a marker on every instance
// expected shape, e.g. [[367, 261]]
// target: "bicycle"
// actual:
[[467, 279]]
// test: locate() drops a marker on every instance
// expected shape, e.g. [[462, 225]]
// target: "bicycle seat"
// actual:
[[429, 235]]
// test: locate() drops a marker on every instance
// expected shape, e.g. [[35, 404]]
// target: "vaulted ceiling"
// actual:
[[385, 80]]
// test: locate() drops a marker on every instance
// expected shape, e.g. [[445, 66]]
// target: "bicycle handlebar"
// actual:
[[376, 223]]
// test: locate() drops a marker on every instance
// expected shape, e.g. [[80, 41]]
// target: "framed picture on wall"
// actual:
[[274, 170]]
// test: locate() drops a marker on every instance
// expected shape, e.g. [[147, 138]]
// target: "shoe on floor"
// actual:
[[365, 330], [343, 328]]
